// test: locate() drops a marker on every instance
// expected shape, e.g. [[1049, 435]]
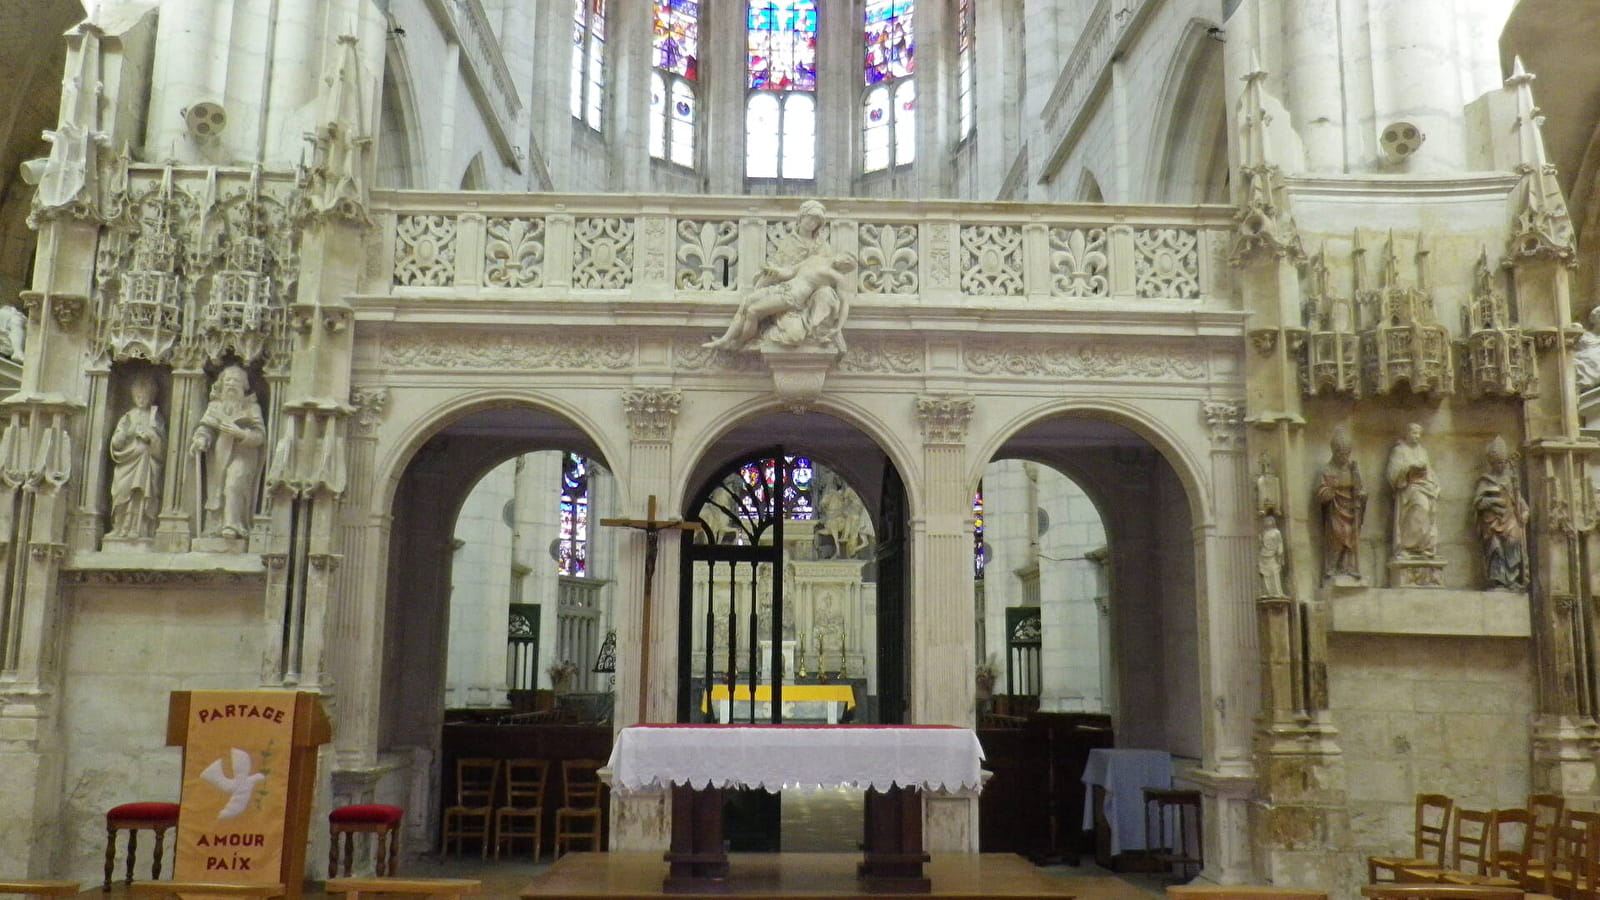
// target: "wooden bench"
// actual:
[[257, 891], [40, 888], [451, 888], [1241, 892]]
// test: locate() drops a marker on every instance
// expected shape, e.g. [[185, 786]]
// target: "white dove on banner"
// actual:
[[239, 787]]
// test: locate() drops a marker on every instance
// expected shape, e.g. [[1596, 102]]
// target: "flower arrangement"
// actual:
[[562, 673]]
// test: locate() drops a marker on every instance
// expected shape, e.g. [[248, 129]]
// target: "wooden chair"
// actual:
[[578, 819], [472, 816], [365, 818], [523, 814], [449, 888], [1545, 811], [1469, 856], [30, 888], [1241, 892], [134, 818], [1435, 891], [1575, 846], [1429, 833]]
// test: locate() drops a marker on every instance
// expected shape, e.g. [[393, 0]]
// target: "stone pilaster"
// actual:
[[943, 689]]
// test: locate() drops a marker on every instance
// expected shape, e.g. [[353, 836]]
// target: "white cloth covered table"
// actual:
[[774, 757], [1123, 775]]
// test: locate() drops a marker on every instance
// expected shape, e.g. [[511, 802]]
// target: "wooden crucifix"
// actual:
[[652, 529]]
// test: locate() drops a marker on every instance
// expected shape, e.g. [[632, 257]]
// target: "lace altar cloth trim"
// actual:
[[777, 757]]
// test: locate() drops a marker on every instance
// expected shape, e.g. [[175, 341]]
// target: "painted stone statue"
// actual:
[[1502, 516], [1343, 501], [1586, 358], [1269, 558], [801, 299], [230, 435], [138, 445], [1416, 496]]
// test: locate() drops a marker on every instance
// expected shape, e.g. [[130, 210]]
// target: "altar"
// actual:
[[893, 764], [815, 702]]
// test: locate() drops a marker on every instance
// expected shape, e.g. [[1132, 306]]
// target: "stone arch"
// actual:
[[1089, 188], [401, 157], [1191, 141], [474, 177]]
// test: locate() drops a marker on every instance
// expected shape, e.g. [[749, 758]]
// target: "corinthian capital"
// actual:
[[651, 412], [944, 417]]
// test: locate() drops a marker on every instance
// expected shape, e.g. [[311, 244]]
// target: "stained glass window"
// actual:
[[761, 478], [588, 60], [966, 76], [572, 547], [980, 550], [888, 127], [673, 102], [781, 74]]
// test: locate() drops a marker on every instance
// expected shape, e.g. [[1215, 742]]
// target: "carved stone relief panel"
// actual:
[[1079, 265], [425, 251], [513, 252], [708, 255], [991, 260], [1166, 263], [888, 259], [602, 252]]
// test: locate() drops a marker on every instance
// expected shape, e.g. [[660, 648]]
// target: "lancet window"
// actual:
[[966, 75], [781, 82], [572, 547], [980, 550], [888, 128], [674, 101], [588, 60], [761, 478]]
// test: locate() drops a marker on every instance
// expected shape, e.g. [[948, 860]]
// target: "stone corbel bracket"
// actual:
[[303, 317], [798, 374], [66, 309]]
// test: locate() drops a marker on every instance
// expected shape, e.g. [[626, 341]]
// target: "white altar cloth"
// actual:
[[777, 757], [1124, 774]]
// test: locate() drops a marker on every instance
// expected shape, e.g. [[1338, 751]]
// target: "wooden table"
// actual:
[[892, 764]]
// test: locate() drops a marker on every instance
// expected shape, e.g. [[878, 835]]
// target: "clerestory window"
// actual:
[[966, 75], [889, 126], [781, 83], [674, 101], [588, 61]]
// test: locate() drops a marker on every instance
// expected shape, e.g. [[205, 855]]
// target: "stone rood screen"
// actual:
[[559, 245]]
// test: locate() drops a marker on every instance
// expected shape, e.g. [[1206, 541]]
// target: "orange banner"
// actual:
[[235, 786]]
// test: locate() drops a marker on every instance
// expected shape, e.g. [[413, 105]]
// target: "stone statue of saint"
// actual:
[[801, 299], [1416, 493], [1502, 520], [13, 332], [231, 434], [844, 521], [1343, 501], [138, 444], [1586, 359], [1269, 558]]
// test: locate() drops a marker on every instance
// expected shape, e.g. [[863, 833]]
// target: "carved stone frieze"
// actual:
[[371, 406], [944, 417], [162, 577], [1081, 360], [892, 357], [653, 249], [520, 352], [691, 356], [652, 413], [939, 256]]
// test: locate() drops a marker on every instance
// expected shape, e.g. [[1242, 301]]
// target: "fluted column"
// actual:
[[943, 658]]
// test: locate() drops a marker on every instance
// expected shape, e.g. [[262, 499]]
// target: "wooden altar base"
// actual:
[[807, 876]]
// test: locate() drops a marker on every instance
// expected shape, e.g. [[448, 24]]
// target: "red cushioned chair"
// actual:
[[133, 818], [366, 818]]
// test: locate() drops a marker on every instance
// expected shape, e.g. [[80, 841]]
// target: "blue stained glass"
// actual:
[[677, 37]]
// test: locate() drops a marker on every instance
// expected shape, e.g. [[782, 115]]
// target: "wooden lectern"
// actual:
[[249, 777]]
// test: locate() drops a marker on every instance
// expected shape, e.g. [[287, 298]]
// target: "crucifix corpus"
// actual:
[[652, 529]]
